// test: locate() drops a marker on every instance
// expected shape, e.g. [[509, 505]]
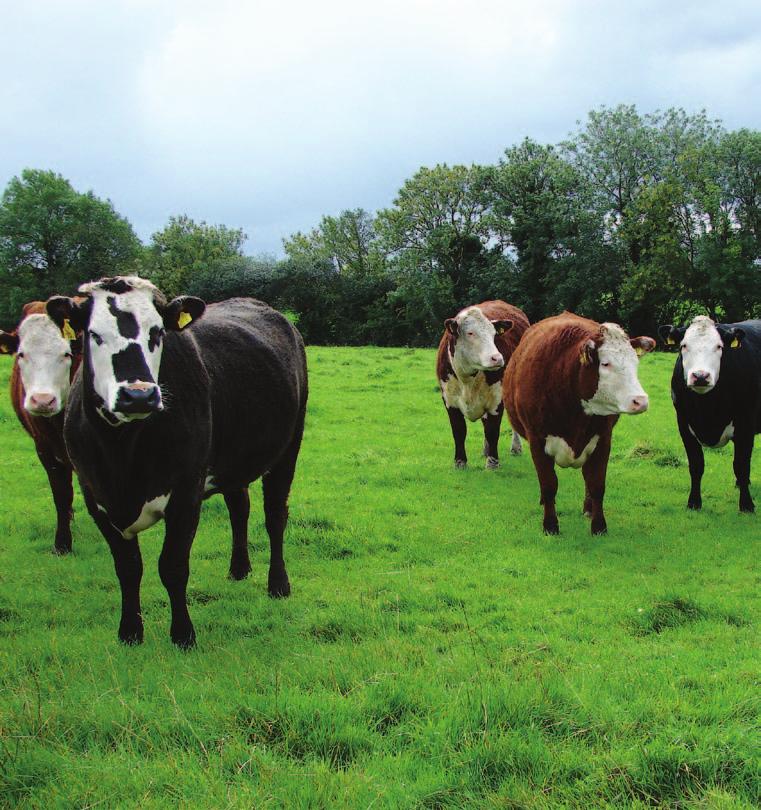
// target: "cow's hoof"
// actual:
[[131, 635], [599, 529], [695, 505], [279, 588], [460, 464], [492, 463], [184, 639], [61, 551], [238, 572], [552, 528], [747, 508]]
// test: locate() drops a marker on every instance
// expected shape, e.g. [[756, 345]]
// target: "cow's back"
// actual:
[[256, 364]]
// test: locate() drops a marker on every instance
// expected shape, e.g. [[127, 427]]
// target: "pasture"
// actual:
[[437, 650]]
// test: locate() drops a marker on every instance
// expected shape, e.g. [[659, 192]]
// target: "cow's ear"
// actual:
[[8, 343], [671, 335], [451, 325], [69, 315], [735, 338], [500, 327], [182, 311], [588, 353], [642, 345]]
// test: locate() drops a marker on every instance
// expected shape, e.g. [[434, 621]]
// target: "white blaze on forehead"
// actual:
[[701, 351], [475, 347], [44, 360], [618, 384]]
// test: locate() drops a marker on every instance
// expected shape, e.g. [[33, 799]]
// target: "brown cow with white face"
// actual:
[[564, 389], [475, 346], [46, 359]]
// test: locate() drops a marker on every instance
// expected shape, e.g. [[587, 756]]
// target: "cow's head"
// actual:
[[610, 361], [474, 337], [44, 355], [124, 320], [702, 345]]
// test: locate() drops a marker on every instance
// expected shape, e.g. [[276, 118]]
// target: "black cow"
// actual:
[[226, 407], [716, 390]]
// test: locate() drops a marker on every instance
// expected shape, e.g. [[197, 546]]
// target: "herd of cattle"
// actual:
[[157, 405]]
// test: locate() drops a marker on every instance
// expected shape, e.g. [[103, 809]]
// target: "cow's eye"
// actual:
[[683, 346], [20, 355], [470, 334], [96, 338], [605, 365], [719, 348], [67, 355]]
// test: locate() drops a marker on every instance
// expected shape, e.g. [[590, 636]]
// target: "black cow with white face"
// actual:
[[716, 390], [177, 401]]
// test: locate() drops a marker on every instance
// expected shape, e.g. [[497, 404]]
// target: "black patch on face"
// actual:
[[154, 337], [130, 366], [115, 285], [126, 322]]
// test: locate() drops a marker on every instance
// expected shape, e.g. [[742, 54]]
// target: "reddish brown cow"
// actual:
[[566, 385], [473, 351], [46, 362]]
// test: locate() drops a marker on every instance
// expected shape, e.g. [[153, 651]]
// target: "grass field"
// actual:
[[437, 651]]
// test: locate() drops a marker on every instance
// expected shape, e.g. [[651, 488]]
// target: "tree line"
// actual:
[[636, 218]]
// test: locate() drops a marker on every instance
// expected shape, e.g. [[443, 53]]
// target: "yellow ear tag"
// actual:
[[670, 341], [3, 348], [67, 331], [583, 359], [501, 330], [734, 344], [184, 320]]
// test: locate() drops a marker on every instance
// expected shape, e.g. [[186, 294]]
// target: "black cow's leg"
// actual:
[[276, 486], [695, 461], [238, 506], [59, 476], [743, 451], [548, 485], [492, 423], [459, 432], [595, 469], [129, 570], [181, 518]]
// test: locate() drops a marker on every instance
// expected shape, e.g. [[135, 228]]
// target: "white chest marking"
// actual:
[[473, 395], [561, 451], [151, 513], [729, 432]]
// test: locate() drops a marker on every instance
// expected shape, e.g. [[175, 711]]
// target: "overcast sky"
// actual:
[[266, 115]]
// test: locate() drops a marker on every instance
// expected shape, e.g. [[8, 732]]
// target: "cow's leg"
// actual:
[[459, 432], [59, 476], [492, 424], [276, 486], [238, 506], [695, 462], [515, 447], [595, 469], [129, 570], [743, 451], [548, 485], [181, 518]]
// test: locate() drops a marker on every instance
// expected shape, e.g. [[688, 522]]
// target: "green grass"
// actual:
[[438, 650]]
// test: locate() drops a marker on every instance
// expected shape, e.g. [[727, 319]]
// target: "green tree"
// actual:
[[185, 250], [52, 238]]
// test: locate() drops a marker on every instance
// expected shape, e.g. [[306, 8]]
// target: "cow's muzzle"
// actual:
[[138, 398]]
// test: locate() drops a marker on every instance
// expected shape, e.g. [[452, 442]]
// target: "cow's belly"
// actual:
[[714, 439], [474, 397], [562, 453]]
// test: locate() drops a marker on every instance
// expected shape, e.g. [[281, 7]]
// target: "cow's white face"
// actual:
[[475, 348], [124, 321], [701, 348], [44, 361], [124, 345], [618, 388]]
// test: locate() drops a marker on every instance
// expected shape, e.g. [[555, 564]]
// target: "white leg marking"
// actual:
[[516, 448]]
